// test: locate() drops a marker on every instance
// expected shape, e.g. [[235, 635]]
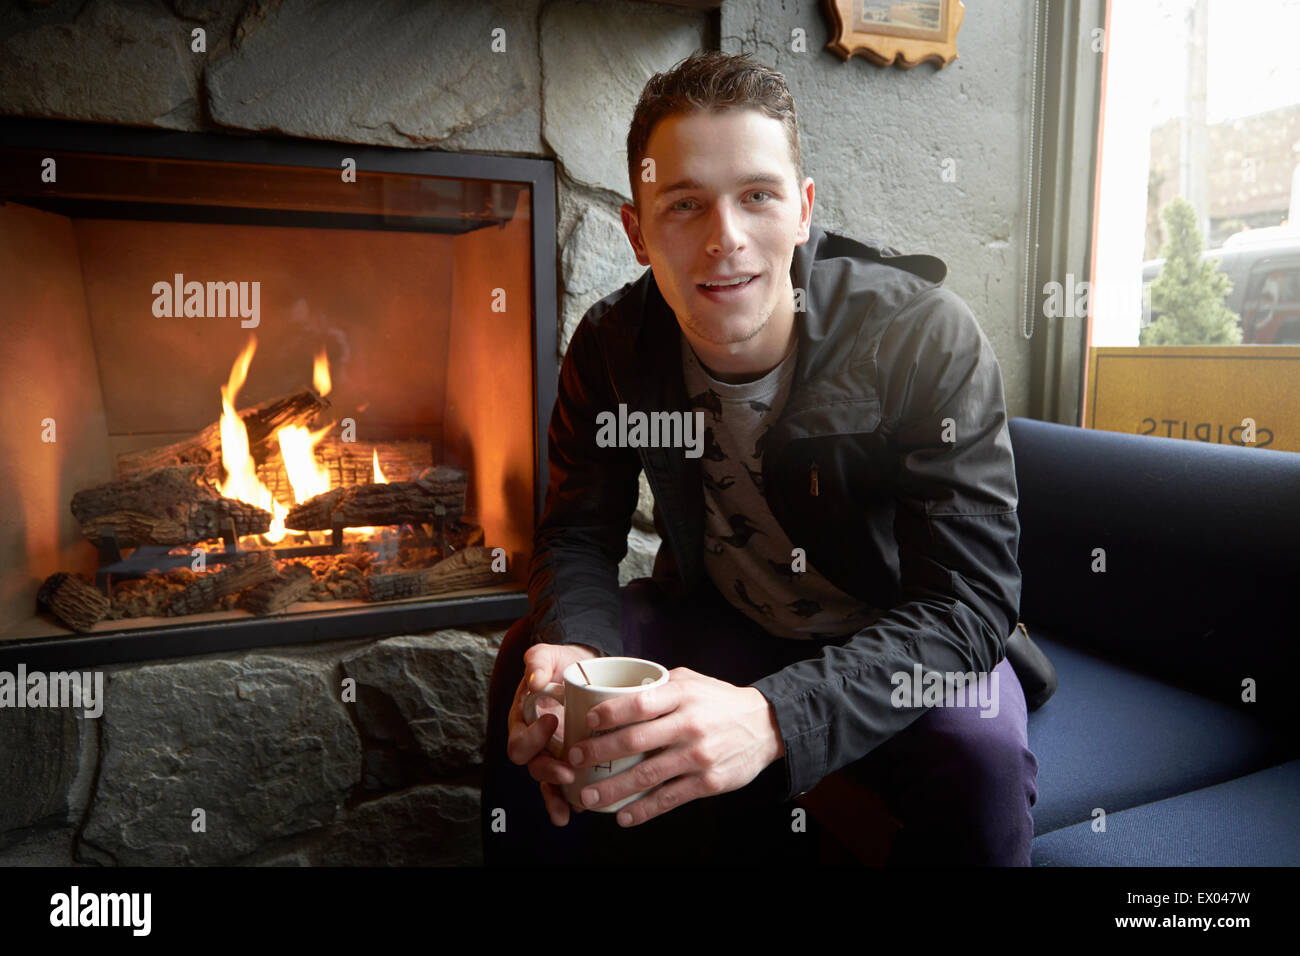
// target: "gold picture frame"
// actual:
[[902, 33]]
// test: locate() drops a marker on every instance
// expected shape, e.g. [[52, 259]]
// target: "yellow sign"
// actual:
[[1246, 395]]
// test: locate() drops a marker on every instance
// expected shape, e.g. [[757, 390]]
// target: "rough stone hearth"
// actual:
[[282, 766]]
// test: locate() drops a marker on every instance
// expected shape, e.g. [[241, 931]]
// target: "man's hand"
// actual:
[[715, 737], [544, 663]]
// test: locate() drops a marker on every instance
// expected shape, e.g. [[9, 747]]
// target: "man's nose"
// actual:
[[724, 229]]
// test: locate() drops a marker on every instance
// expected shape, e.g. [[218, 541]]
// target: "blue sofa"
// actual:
[[1148, 733]]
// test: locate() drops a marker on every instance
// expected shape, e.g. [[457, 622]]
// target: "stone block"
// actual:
[[40, 754], [432, 825], [595, 61], [386, 72], [642, 547], [428, 692], [262, 744], [110, 63], [596, 260]]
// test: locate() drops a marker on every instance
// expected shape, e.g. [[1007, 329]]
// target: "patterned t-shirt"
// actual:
[[746, 551]]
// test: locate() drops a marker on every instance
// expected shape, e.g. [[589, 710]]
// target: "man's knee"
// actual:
[[982, 741], [988, 759], [979, 811], [961, 784]]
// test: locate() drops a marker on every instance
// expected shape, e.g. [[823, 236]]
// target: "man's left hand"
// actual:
[[715, 737]]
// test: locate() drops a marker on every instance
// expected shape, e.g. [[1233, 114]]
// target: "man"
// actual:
[[851, 519]]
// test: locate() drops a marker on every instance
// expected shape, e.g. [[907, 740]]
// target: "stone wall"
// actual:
[[346, 752], [284, 769]]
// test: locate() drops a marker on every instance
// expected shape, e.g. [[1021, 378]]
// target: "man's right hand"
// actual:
[[544, 663]]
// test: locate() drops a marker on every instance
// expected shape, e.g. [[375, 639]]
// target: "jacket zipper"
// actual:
[[812, 480]]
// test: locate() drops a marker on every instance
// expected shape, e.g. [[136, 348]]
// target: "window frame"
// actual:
[[1068, 100]]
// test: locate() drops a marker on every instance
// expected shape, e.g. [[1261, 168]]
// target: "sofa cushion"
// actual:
[[1250, 821], [1113, 738]]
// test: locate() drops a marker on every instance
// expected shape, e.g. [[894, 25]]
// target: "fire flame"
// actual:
[[307, 477], [241, 477], [320, 377]]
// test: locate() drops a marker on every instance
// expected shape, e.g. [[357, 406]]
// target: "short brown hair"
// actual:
[[710, 81]]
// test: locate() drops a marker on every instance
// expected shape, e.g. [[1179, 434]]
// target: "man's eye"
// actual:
[[683, 204]]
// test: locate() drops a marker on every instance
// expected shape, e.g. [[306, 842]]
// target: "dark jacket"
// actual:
[[904, 519]]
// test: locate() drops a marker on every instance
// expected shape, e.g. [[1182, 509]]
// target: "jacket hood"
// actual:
[[852, 287], [826, 244]]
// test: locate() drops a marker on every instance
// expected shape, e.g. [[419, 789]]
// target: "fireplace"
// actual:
[[264, 391]]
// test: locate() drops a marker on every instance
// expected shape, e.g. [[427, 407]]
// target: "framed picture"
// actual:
[[904, 33]]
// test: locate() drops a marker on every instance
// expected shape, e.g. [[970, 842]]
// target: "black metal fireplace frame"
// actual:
[[382, 620]]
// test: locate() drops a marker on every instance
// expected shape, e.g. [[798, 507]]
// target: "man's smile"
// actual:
[[729, 288]]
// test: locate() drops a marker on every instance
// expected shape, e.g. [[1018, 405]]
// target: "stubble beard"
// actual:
[[702, 330]]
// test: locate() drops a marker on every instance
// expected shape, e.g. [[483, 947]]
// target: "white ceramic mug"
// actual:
[[610, 677]]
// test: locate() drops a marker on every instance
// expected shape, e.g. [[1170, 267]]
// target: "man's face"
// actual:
[[724, 203]]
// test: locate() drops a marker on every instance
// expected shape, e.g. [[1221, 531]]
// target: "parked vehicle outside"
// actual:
[[1264, 266]]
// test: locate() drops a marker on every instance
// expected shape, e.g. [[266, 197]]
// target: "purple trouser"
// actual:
[[962, 785]]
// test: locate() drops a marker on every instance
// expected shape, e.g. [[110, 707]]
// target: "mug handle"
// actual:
[[555, 746]]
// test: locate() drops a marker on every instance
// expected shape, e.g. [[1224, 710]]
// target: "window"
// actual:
[[1202, 107]]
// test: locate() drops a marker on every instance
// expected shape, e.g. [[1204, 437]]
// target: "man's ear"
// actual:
[[633, 230], [805, 210]]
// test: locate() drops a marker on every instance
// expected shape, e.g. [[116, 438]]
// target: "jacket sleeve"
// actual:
[[590, 497], [957, 532]]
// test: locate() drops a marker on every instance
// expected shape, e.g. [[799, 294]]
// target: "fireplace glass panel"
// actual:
[[376, 335]]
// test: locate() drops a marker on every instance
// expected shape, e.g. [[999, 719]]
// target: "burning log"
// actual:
[[273, 596], [204, 449], [439, 491], [167, 506], [351, 463], [73, 602], [254, 568], [464, 569]]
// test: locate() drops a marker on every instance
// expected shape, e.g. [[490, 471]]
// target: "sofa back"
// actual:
[[1200, 545]]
